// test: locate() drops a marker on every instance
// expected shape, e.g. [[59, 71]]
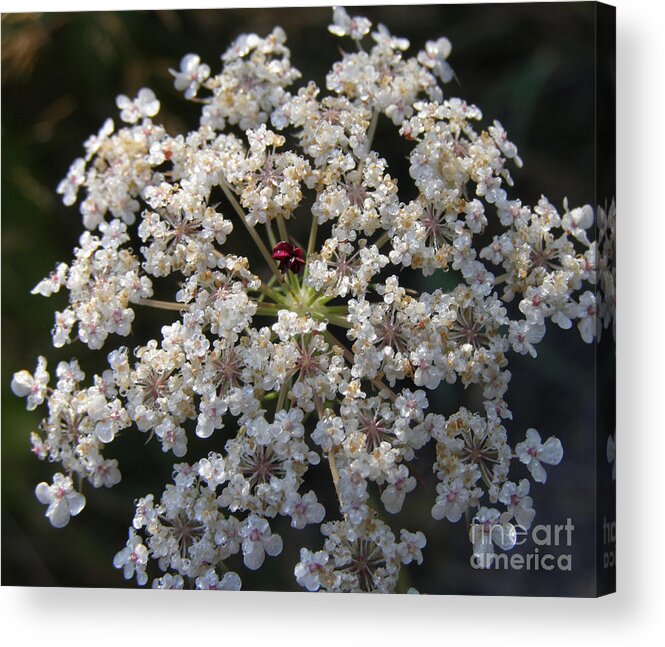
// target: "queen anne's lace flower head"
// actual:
[[323, 350]]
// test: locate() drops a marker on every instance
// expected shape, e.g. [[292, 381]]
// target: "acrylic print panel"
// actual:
[[316, 325]]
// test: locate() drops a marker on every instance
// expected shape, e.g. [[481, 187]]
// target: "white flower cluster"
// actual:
[[606, 268], [103, 280], [80, 422], [363, 557], [337, 363]]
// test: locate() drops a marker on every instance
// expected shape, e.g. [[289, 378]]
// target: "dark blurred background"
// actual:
[[529, 65]]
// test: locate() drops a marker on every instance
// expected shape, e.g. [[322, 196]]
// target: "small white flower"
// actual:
[[106, 473], [532, 453], [410, 548], [191, 75], [451, 501], [343, 25], [144, 105], [62, 500], [577, 221], [399, 484], [257, 541], [518, 503], [69, 187], [488, 528], [211, 581], [34, 387], [434, 57], [168, 581], [588, 314], [133, 558], [523, 336], [94, 142], [309, 568], [303, 509], [53, 282]]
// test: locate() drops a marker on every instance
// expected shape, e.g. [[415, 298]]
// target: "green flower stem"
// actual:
[[269, 309], [276, 296], [382, 240], [162, 305], [292, 281], [282, 395], [372, 129], [281, 227], [268, 285], [333, 319], [348, 355], [382, 386], [342, 310], [313, 231], [335, 475], [271, 234], [251, 230]]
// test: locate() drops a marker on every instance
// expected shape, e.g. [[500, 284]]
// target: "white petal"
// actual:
[[255, 557], [97, 407], [524, 516], [22, 383], [43, 493], [274, 545], [532, 437], [231, 582], [454, 512], [76, 502], [537, 471], [120, 558], [58, 514], [104, 431], [551, 452], [504, 536]]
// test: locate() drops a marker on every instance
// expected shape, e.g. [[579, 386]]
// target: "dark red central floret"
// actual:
[[289, 257]]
